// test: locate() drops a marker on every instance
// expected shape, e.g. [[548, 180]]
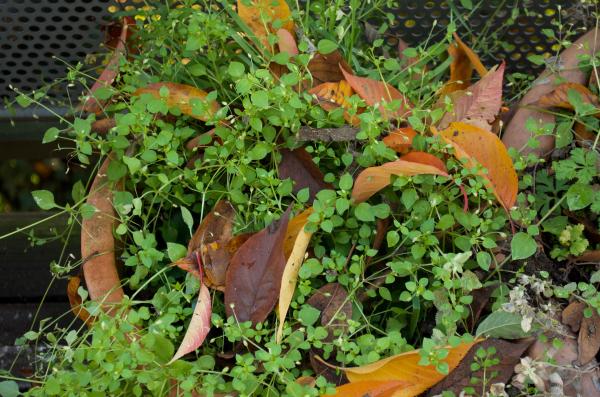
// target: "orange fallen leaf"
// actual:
[[259, 15], [76, 303], [369, 388], [373, 179], [461, 68], [376, 93], [477, 146], [330, 96], [286, 42], [183, 96], [559, 97], [475, 61], [405, 368], [400, 140]]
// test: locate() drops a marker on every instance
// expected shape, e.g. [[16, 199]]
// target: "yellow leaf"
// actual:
[[461, 68], [259, 15], [290, 276], [475, 145], [183, 97], [405, 368]]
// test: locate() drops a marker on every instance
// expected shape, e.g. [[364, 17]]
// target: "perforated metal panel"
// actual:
[[38, 38]]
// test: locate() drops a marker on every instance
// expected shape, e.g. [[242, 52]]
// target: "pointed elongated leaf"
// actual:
[[373, 179], [400, 140], [199, 325], [369, 388], [477, 146], [254, 275], [461, 71], [294, 227], [290, 275], [376, 93], [480, 104], [185, 97], [259, 15], [405, 368], [475, 61]]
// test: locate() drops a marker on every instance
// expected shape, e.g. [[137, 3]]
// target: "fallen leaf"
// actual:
[[199, 325], [290, 275], [559, 97], [254, 274], [110, 72], [373, 179], [588, 256], [400, 140], [98, 243], [572, 315], [335, 307], [481, 298], [76, 303], [183, 96], [306, 381], [259, 15], [480, 104], [295, 225], [324, 369], [332, 95], [369, 389], [286, 42], [376, 93], [103, 126], [477, 146], [405, 368], [298, 165], [507, 353], [473, 58], [461, 71], [325, 68], [589, 338]]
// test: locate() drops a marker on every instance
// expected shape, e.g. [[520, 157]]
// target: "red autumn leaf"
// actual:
[[199, 325], [480, 104], [183, 96], [299, 166], [98, 243], [373, 179], [260, 13], [254, 274], [477, 146], [375, 92], [325, 68], [400, 140], [286, 42], [76, 303], [110, 72], [369, 388]]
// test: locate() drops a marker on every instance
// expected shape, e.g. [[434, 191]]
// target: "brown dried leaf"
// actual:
[[299, 166], [589, 338], [335, 307], [559, 97], [326, 370], [216, 226], [572, 315], [326, 68], [264, 12], [254, 274], [400, 140]]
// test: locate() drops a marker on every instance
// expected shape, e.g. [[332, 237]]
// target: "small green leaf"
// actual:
[[522, 246], [346, 182], [187, 219], [484, 260], [501, 324], [579, 196], [364, 213], [87, 210], [9, 388], [176, 251], [308, 315], [44, 199], [50, 135], [392, 238], [236, 69], [260, 99], [326, 46]]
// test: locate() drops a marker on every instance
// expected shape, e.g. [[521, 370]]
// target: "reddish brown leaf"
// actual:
[[559, 97], [299, 166], [573, 314], [480, 104], [376, 93], [335, 307], [589, 256], [373, 179], [216, 226], [509, 354], [473, 58], [98, 244], [475, 145], [76, 302], [368, 389], [260, 13], [286, 42], [110, 72], [254, 275], [589, 338], [325, 369], [103, 126], [400, 140], [184, 97], [326, 68]]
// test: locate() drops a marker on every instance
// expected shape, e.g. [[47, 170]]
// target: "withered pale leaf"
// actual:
[[373, 179], [295, 225], [254, 274]]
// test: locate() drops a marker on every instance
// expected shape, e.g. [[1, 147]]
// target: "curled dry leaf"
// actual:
[[98, 243], [110, 72], [190, 100], [477, 146], [559, 97], [589, 338], [373, 179], [377, 93], [254, 275], [566, 69], [405, 368], [369, 388], [290, 272], [259, 15], [76, 303], [508, 355], [199, 325], [480, 104], [473, 58], [103, 126], [298, 165], [330, 96], [400, 140], [326, 68]]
